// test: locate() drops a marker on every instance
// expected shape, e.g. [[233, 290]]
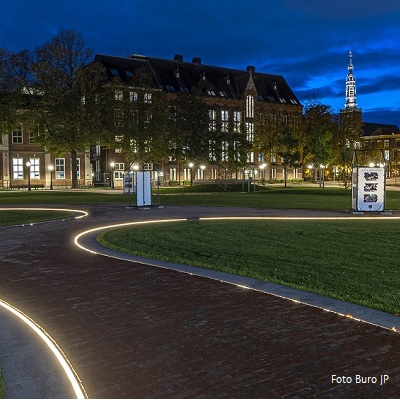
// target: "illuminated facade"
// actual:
[[237, 100], [24, 164]]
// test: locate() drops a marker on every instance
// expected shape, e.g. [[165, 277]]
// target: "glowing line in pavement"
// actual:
[[84, 213], [100, 228], [52, 345]]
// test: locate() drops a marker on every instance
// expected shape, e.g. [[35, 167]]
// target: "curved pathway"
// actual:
[[134, 331]]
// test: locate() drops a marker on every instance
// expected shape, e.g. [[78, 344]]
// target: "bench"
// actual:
[[26, 186]]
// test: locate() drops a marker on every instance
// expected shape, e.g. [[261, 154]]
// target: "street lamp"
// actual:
[[28, 164], [112, 165], [191, 173], [51, 176]]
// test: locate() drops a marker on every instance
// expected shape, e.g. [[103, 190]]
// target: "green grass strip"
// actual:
[[18, 217], [351, 260], [2, 386]]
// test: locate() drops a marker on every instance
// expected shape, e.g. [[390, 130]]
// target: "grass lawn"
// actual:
[[353, 260], [273, 196], [17, 217], [2, 387]]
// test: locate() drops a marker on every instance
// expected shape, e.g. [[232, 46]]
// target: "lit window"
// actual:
[[237, 116], [212, 126], [249, 106], [224, 121], [60, 168], [34, 168], [224, 153], [119, 95], [18, 168]]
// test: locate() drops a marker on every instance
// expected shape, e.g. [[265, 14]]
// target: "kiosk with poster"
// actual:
[[368, 181], [143, 188]]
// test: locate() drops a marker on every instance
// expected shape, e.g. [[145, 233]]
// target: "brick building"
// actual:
[[236, 99], [24, 164]]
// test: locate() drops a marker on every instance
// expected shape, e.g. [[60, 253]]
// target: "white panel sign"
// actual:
[[369, 191], [128, 183], [143, 188]]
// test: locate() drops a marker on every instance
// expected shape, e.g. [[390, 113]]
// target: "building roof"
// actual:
[[376, 129], [179, 76]]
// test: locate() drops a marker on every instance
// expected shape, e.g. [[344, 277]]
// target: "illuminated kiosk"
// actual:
[[143, 188], [368, 181]]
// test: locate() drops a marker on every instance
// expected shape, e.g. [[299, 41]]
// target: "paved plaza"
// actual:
[[132, 330]]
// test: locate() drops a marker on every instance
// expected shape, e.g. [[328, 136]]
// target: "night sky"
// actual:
[[306, 41]]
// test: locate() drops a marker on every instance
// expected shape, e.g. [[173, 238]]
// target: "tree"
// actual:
[[193, 125], [318, 129], [289, 149], [137, 119], [14, 73], [268, 132], [65, 91], [350, 122]]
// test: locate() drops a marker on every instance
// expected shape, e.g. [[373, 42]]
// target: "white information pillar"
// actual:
[[368, 182], [369, 188], [143, 188]]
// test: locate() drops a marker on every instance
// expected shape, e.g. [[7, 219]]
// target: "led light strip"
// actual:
[[84, 213], [72, 376]]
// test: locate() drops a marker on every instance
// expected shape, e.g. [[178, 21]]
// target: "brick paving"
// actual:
[[136, 331]]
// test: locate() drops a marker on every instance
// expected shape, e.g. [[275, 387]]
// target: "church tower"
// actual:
[[351, 94], [351, 116]]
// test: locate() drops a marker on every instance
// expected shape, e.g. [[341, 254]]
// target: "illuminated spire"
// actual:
[[351, 95]]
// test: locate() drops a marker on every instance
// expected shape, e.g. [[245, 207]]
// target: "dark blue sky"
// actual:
[[306, 41]]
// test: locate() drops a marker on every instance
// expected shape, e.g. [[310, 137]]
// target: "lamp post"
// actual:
[[51, 176], [28, 164], [191, 173], [112, 165]]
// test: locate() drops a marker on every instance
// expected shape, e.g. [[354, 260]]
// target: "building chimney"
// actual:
[[196, 60], [251, 68], [178, 58]]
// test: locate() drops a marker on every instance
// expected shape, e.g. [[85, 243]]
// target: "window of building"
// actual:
[[250, 157], [17, 135], [147, 98], [249, 106], [118, 118], [224, 121], [386, 143], [224, 152], [387, 154], [237, 117], [212, 125], [186, 174], [250, 132], [172, 174], [118, 94], [119, 171], [18, 168], [31, 138], [34, 168], [236, 150], [212, 150], [132, 96], [60, 168]]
